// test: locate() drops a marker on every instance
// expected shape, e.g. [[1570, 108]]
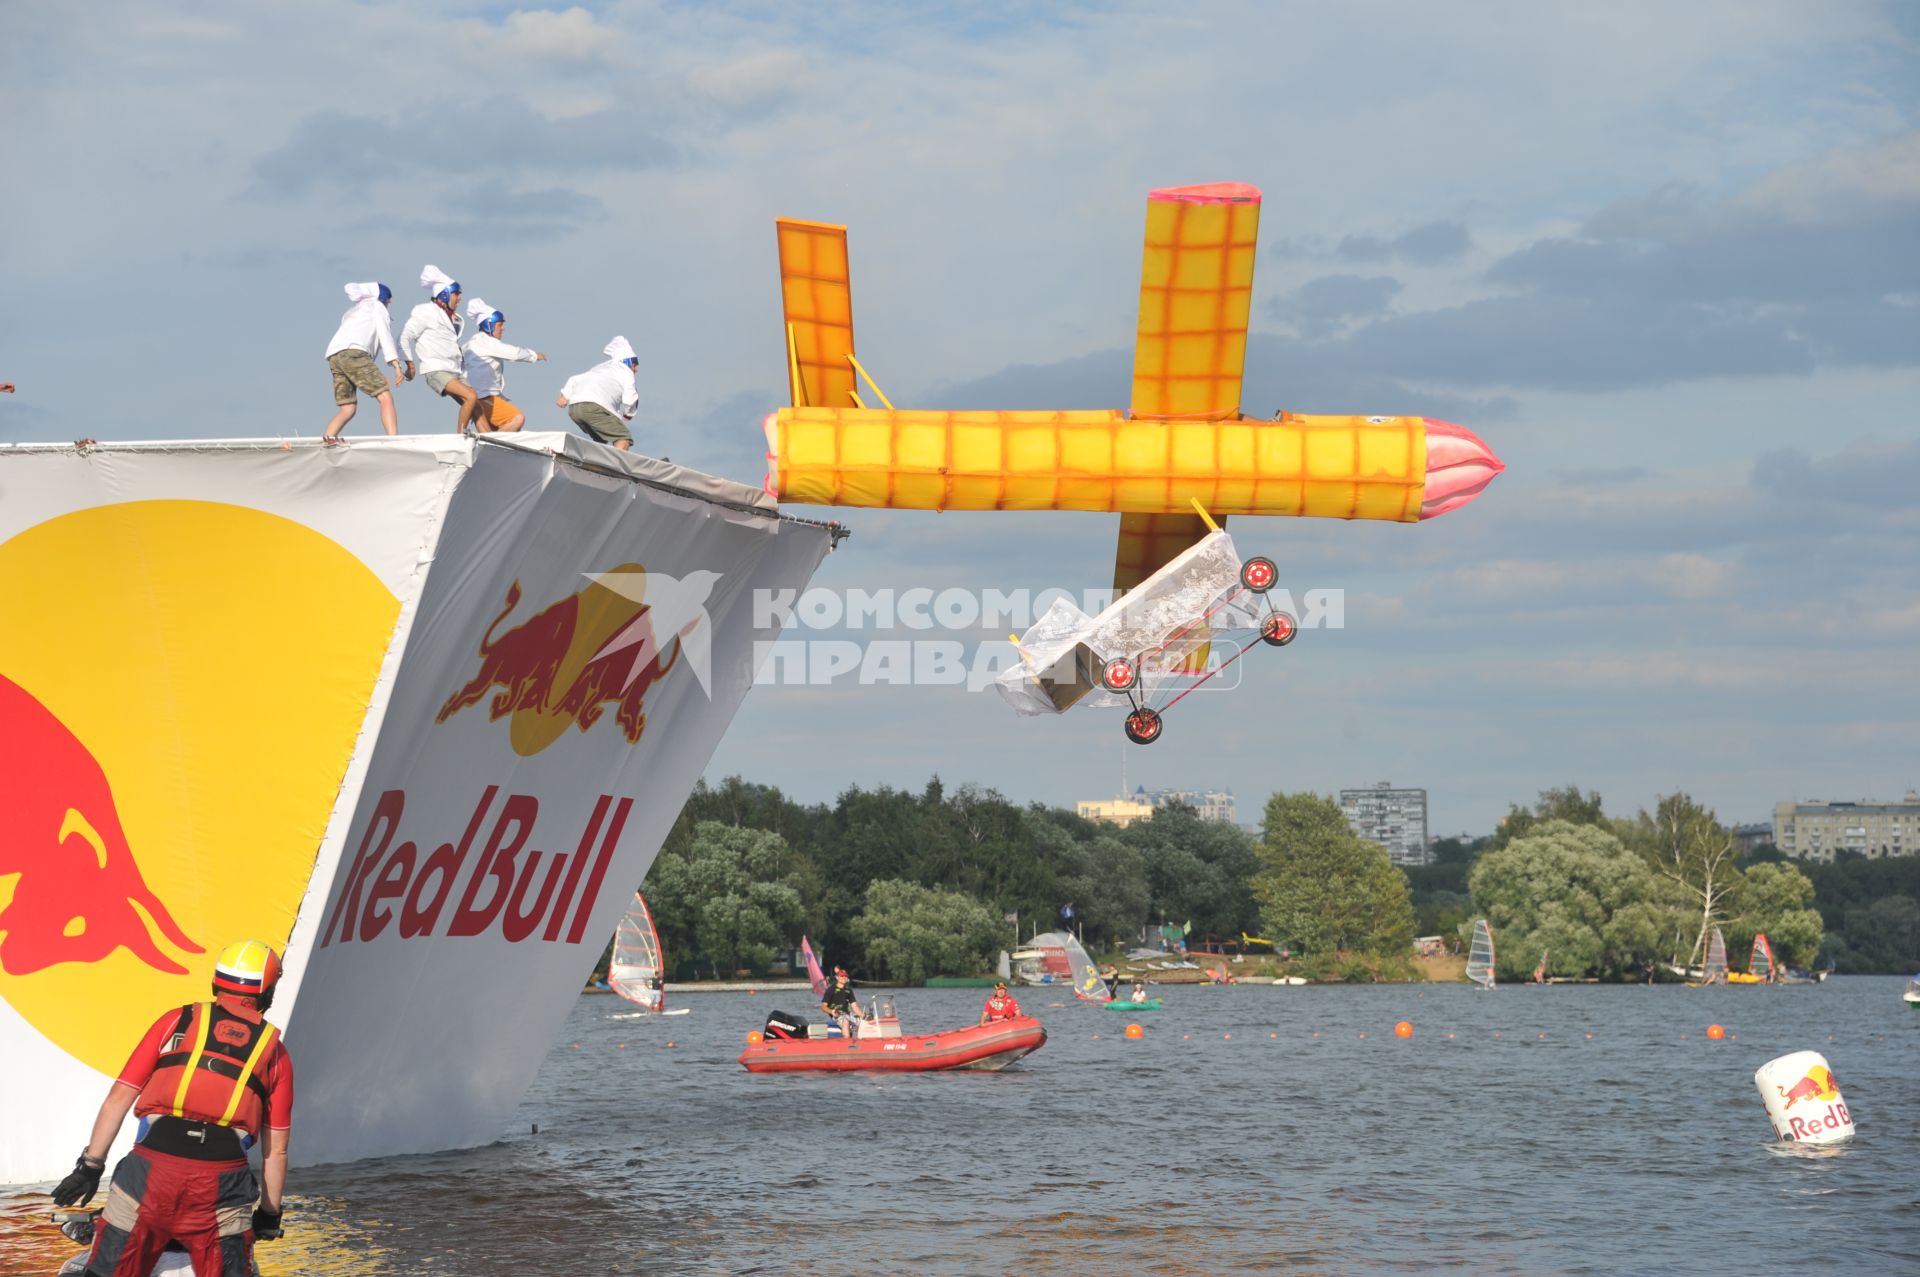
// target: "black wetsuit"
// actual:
[[838, 999]]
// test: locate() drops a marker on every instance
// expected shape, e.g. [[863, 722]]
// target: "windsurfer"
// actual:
[[1001, 1006], [1111, 974]]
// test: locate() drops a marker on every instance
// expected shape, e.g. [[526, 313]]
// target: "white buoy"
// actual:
[[1803, 1101]]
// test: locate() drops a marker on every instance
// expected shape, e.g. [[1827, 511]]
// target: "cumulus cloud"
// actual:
[[1325, 305], [1425, 245]]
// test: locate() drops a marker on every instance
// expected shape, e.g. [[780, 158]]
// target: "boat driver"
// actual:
[[838, 1002], [1000, 1006]]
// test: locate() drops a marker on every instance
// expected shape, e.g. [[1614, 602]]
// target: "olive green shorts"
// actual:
[[599, 423], [355, 370]]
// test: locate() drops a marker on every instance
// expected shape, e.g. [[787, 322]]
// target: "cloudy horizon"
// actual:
[[1664, 260]]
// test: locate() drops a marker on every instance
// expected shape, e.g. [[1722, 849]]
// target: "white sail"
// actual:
[[1715, 967], [635, 972], [1761, 962], [1056, 957], [1006, 966], [1480, 956]]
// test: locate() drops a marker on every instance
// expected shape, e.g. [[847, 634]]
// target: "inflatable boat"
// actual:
[[983, 1046]]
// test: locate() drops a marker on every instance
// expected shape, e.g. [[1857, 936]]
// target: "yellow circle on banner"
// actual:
[[181, 686]]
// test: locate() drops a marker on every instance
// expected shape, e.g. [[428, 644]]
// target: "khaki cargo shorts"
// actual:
[[599, 423], [355, 370], [438, 382]]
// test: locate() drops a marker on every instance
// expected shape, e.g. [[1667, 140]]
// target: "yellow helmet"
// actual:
[[246, 966]]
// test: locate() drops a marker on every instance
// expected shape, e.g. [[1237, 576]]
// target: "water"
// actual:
[[1500, 1137]]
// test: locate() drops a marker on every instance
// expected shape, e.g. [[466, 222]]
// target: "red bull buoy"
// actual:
[[1803, 1101]]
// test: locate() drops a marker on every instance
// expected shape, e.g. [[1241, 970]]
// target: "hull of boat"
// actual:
[[988, 1047], [1121, 1004]]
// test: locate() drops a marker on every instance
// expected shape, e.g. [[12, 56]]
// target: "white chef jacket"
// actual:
[[609, 384], [431, 339], [366, 326], [485, 360]]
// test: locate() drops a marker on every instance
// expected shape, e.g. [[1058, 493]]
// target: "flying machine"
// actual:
[[1176, 462]]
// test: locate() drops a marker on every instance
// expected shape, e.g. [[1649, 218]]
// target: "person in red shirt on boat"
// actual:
[[1000, 1006], [206, 1081]]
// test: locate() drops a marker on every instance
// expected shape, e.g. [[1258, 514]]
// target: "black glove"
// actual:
[[81, 1183], [266, 1225]]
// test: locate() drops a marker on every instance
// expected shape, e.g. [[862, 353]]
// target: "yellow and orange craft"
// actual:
[[1182, 440]]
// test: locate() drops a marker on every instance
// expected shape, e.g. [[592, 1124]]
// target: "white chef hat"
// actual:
[[478, 310], [363, 292], [433, 279], [619, 349]]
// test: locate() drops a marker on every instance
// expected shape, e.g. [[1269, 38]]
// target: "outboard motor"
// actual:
[[782, 1025]]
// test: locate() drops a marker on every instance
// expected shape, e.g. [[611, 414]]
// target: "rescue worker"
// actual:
[[839, 1003], [207, 1080], [602, 399], [484, 363], [433, 332], [365, 328], [1139, 992], [1000, 1006], [1110, 976]]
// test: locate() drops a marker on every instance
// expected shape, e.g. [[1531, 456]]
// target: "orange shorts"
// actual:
[[498, 413]]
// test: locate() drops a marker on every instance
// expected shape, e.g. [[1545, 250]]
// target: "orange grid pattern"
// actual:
[[816, 294], [1196, 289], [1326, 467]]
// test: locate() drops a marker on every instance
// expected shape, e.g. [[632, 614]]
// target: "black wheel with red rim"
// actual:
[[1143, 726], [1278, 629], [1118, 674], [1258, 574]]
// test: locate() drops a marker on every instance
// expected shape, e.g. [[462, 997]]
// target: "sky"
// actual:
[[1664, 259]]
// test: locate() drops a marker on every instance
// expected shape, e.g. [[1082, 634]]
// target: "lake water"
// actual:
[[1568, 1129]]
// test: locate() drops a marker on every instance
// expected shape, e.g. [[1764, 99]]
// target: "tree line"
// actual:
[[901, 885]]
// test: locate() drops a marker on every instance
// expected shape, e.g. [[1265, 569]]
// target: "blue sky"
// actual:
[[1664, 259]]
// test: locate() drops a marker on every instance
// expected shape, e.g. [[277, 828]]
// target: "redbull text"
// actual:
[[395, 886]]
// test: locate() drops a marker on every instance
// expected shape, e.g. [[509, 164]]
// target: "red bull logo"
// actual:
[[564, 665], [1818, 1084], [79, 894], [182, 684]]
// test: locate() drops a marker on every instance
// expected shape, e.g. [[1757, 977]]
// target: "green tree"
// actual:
[[1198, 871], [1322, 888], [1568, 804], [909, 932], [1777, 899], [1689, 847], [727, 899], [1577, 894]]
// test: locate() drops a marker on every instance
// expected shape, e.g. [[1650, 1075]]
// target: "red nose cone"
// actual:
[[1459, 468]]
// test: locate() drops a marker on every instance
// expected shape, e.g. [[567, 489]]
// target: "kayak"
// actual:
[[1122, 1004], [990, 1047]]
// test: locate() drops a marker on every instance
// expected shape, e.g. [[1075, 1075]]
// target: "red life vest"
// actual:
[[209, 1069]]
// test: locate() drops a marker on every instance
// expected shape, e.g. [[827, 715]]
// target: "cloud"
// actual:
[[564, 35], [1427, 245], [1869, 478], [1324, 305], [503, 217], [496, 140]]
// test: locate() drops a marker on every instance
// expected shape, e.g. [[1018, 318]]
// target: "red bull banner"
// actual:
[[419, 711]]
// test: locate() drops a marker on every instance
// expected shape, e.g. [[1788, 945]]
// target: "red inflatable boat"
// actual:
[[983, 1046]]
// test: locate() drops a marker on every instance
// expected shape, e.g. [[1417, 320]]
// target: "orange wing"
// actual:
[[1190, 350], [816, 293]]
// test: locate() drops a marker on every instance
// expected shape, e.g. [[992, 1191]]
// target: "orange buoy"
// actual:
[[669, 1042], [1404, 1029], [753, 1038], [1226, 1037], [1715, 1032], [1135, 1031], [1449, 1037], [623, 1046], [1273, 1035], [1363, 1035]]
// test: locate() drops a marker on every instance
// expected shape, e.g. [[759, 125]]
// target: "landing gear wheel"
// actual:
[[1118, 674], [1258, 574], [1143, 726], [1278, 629]]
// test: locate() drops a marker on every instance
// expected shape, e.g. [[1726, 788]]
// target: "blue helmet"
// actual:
[[386, 294], [492, 322], [447, 293]]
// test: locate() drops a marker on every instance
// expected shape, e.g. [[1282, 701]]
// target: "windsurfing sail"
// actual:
[[635, 972], [1056, 957], [1005, 969], [1716, 964], [815, 976], [1540, 972], [1480, 956], [1760, 964]]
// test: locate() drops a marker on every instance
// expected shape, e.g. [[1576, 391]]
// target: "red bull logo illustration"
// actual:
[[1818, 1085], [79, 894], [596, 647], [182, 684]]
